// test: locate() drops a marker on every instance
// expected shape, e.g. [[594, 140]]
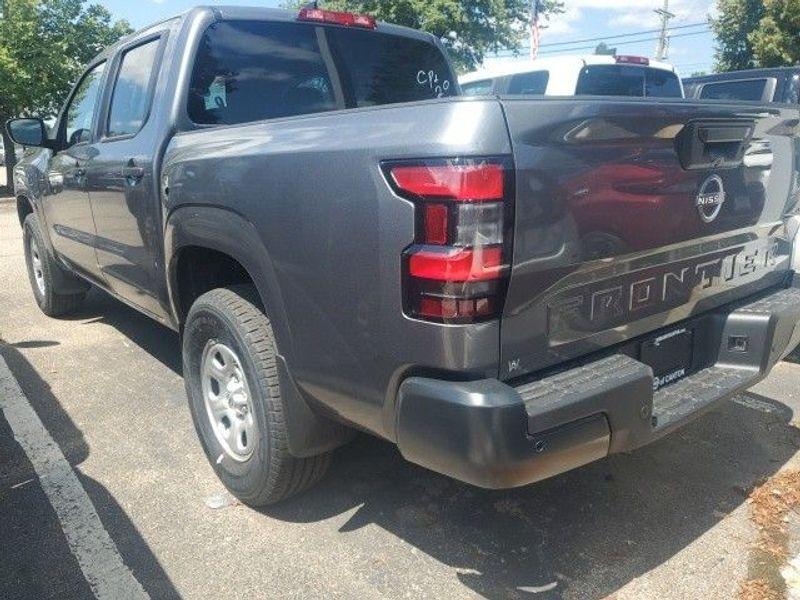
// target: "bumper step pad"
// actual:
[[689, 397]]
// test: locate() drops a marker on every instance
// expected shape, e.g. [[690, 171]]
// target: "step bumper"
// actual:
[[493, 435]]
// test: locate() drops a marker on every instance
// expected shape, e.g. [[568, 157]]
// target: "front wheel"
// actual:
[[231, 378], [45, 273]]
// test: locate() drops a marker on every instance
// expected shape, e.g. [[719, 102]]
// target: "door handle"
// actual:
[[132, 173]]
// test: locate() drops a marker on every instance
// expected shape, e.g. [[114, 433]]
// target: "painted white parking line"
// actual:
[[88, 540]]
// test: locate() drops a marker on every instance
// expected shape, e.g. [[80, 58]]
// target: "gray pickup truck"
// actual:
[[504, 287], [779, 85]]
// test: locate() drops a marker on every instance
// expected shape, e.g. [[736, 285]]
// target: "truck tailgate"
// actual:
[[634, 215]]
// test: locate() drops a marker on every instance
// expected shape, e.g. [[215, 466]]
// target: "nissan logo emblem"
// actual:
[[710, 198]]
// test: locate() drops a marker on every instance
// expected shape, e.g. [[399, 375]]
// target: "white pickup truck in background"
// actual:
[[595, 75]]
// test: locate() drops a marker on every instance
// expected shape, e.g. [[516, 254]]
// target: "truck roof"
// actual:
[[256, 13], [571, 62], [744, 74]]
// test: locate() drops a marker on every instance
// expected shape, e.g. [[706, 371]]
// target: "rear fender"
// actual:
[[227, 232]]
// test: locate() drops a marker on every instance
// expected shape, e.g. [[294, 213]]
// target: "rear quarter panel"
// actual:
[[334, 233]]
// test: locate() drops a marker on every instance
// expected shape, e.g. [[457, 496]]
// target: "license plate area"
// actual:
[[669, 355]]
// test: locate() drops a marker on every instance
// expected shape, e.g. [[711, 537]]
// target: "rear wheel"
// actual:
[[231, 377], [45, 273]]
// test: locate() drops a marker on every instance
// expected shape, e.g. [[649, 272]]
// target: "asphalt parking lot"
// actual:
[[671, 521]]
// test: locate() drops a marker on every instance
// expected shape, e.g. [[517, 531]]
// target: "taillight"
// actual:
[[345, 19], [456, 271], [632, 60]]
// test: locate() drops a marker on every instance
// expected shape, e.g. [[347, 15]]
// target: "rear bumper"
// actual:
[[492, 435]]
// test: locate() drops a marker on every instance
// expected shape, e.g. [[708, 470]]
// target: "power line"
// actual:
[[629, 42], [622, 35], [504, 53], [704, 63]]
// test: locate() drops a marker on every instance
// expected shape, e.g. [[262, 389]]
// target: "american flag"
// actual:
[[536, 30]]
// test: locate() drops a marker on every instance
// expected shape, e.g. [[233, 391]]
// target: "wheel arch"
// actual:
[[228, 233], [25, 207]]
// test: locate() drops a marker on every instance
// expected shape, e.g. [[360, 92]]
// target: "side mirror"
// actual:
[[27, 132]]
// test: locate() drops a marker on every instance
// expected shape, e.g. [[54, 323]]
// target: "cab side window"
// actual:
[[130, 102], [529, 84], [79, 115], [752, 90]]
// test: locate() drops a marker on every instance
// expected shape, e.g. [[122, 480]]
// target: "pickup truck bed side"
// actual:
[[336, 255]]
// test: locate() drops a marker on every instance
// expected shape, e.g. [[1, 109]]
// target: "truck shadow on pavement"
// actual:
[[41, 565], [584, 534], [157, 340]]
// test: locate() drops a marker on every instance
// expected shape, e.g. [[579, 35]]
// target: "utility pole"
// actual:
[[663, 39]]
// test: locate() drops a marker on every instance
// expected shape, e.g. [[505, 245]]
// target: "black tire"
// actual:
[[231, 316], [51, 300]]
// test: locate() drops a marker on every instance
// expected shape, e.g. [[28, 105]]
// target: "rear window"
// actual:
[[627, 80], [478, 88], [750, 89], [253, 70], [529, 84]]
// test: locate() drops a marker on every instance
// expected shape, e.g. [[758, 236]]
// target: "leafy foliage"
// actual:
[[44, 45], [776, 41], [737, 19], [603, 49], [469, 29]]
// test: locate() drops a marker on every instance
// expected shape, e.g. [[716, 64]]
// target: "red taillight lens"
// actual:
[[457, 269], [436, 224], [457, 264], [337, 18], [451, 309], [459, 182]]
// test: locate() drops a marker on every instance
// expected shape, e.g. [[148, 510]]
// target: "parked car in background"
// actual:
[[505, 287], [755, 85], [18, 150], [632, 76]]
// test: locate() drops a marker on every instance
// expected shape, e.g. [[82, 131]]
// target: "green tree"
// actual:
[[44, 45], [468, 28], [737, 20], [776, 41], [604, 50]]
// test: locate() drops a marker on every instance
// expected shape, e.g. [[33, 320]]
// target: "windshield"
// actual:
[[628, 80], [253, 70]]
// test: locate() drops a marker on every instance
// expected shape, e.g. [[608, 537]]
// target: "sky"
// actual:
[[691, 48]]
